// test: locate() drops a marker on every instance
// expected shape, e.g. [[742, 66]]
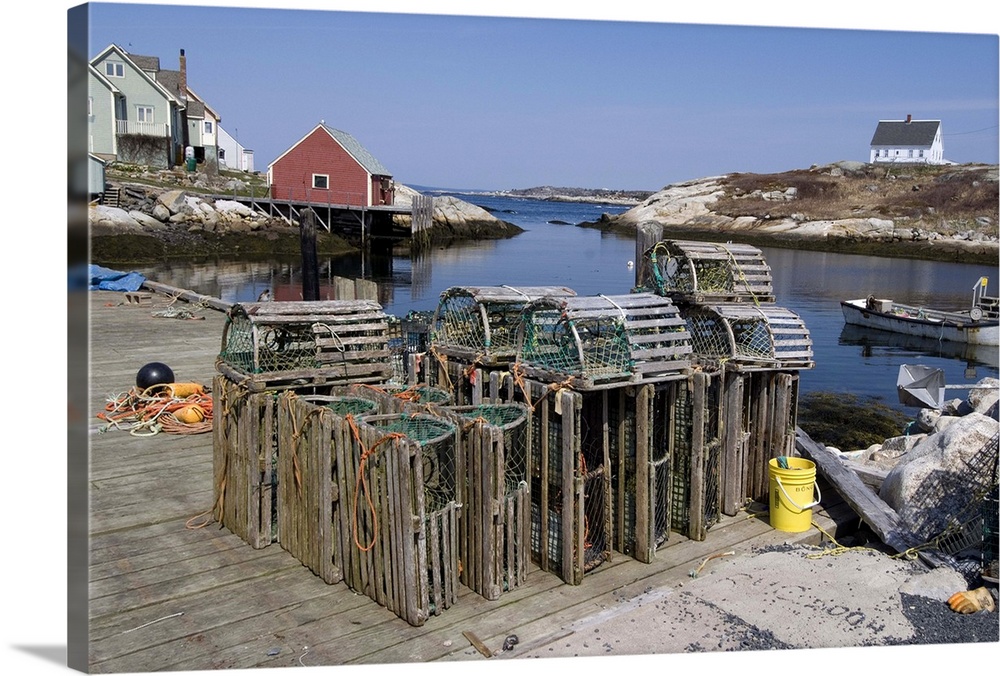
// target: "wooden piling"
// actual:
[[310, 263], [647, 234]]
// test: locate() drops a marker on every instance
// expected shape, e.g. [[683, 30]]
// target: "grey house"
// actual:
[[908, 141], [147, 118]]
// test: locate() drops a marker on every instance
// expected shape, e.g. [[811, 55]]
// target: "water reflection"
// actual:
[[873, 341]]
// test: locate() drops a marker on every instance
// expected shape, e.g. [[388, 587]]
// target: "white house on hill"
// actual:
[[908, 141], [232, 154]]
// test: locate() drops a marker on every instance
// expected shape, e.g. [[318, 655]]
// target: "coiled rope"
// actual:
[[145, 413]]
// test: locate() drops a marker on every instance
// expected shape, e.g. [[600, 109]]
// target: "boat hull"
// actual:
[[942, 326]]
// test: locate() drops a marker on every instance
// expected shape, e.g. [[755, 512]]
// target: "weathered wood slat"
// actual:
[[678, 368], [733, 493], [187, 295], [311, 308]]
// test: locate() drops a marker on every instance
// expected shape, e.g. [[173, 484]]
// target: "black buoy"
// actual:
[[153, 373]]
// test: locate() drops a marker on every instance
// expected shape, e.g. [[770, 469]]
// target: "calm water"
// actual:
[[812, 284]]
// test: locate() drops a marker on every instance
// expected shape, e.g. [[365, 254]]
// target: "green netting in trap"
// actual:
[[604, 341], [480, 324], [437, 439], [285, 344], [512, 420], [764, 336], [707, 271]]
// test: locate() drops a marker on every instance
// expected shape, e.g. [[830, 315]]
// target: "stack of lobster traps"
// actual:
[[491, 480], [596, 370], [268, 348], [473, 339], [753, 349], [514, 426]]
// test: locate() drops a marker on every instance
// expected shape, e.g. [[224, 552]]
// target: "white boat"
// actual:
[[978, 325]]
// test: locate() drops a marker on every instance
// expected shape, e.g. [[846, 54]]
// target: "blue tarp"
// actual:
[[111, 280]]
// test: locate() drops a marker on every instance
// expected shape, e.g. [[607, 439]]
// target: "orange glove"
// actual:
[[972, 601]]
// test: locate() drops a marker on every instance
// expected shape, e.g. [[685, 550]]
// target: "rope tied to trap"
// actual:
[[521, 381], [361, 483]]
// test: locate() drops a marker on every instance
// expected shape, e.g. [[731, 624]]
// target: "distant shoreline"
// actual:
[[622, 198]]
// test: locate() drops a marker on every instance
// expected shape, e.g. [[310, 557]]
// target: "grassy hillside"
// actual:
[[943, 199]]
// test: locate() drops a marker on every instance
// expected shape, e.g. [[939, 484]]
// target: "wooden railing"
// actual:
[[143, 128]]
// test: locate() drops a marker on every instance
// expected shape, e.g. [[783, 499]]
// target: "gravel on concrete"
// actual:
[[780, 598]]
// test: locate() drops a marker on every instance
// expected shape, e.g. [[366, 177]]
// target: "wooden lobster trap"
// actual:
[[418, 398], [398, 493], [282, 345], [746, 336], [761, 408], [474, 337], [688, 422], [639, 467], [570, 488], [471, 384], [310, 516], [409, 339], [479, 325], [244, 461], [494, 531], [700, 272], [603, 341]]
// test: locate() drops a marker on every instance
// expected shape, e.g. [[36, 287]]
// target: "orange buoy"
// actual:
[[190, 414]]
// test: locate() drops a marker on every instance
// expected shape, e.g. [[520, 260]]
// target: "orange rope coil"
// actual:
[[150, 411]]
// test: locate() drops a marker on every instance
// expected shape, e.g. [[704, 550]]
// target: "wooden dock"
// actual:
[[169, 590]]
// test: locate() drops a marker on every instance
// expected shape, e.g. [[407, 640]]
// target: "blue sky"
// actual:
[[514, 101]]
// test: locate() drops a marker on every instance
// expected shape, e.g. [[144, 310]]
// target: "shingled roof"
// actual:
[[150, 63], [358, 152], [902, 133]]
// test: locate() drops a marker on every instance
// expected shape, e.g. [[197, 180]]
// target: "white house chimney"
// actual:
[[909, 118]]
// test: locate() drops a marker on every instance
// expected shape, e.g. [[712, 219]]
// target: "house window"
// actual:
[[321, 181], [90, 106], [909, 153], [144, 113], [208, 126], [114, 69], [921, 153]]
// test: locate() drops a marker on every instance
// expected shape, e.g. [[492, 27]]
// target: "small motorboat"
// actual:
[[978, 325]]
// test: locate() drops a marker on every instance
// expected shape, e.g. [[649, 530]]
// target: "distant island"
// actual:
[[589, 195]]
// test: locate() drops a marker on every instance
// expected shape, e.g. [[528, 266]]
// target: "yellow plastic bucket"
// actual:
[[792, 494]]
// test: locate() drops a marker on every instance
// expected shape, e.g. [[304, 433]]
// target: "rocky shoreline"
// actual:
[[769, 217], [153, 223]]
